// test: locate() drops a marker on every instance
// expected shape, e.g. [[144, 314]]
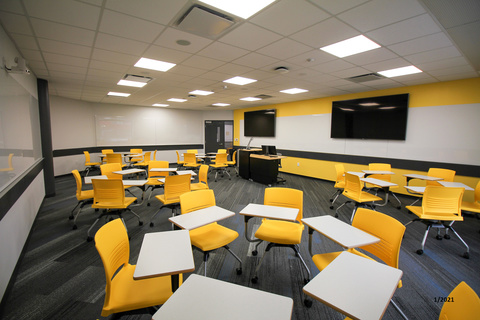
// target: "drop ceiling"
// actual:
[[84, 47]]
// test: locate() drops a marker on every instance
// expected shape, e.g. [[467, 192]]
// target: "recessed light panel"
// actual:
[[129, 83], [201, 92], [294, 91], [118, 94], [250, 99], [240, 80], [241, 8], [221, 104], [400, 71], [154, 64], [160, 105], [177, 100], [351, 46]]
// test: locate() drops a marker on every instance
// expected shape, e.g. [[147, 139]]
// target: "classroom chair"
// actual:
[[461, 304], [473, 206], [339, 183], [83, 197], [220, 165], [202, 179], [89, 165]]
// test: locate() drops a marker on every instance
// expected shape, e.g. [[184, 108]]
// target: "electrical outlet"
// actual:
[[298, 164]]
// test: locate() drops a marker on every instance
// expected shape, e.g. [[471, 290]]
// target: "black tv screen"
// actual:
[[382, 118], [260, 123]]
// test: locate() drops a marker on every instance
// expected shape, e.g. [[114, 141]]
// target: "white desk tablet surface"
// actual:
[[88, 179], [357, 287], [163, 169], [134, 183], [450, 184], [415, 189], [340, 232], [270, 212], [164, 253], [421, 177], [200, 218], [180, 172], [377, 172], [129, 171], [211, 299], [379, 182]]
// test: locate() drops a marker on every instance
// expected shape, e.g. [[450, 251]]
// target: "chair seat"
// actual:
[[212, 236], [322, 260], [364, 197], [86, 194], [281, 232], [93, 163], [471, 206], [340, 185], [198, 186], [154, 182], [116, 205], [130, 295], [223, 165], [162, 199], [417, 210]]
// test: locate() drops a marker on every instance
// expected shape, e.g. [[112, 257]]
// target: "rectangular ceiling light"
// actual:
[[241, 8], [294, 91], [154, 64], [176, 100], [250, 99], [160, 105], [201, 92], [221, 104], [351, 46], [129, 83], [239, 80], [118, 94], [400, 71]]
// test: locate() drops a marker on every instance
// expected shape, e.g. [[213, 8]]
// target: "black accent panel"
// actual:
[[77, 151], [16, 191]]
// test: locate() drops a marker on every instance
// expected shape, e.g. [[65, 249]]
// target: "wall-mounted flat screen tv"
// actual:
[[260, 123], [382, 118]]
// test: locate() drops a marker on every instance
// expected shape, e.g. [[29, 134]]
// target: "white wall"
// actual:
[[78, 124]]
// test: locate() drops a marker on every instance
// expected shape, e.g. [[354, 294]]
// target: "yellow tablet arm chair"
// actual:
[[109, 171], [83, 197], [105, 152], [122, 292], [202, 183], [212, 236], [10, 164], [173, 188], [339, 183], [221, 165], [446, 175], [353, 191], [109, 195], [115, 158], [384, 177], [390, 232], [190, 161], [179, 162], [441, 207], [463, 304], [474, 206], [233, 163], [136, 158], [145, 160], [279, 233], [89, 165], [153, 177]]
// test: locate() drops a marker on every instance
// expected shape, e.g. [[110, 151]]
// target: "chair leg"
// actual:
[[353, 213], [396, 198], [420, 251], [338, 208], [205, 259], [239, 270], [74, 227], [255, 278], [466, 255], [71, 216], [140, 222], [398, 309], [151, 219], [297, 251]]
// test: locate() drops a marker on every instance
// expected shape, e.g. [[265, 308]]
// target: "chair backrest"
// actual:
[[234, 158], [221, 159], [87, 156], [112, 244], [114, 158], [177, 185], [447, 175], [109, 168], [353, 185], [178, 157], [340, 170], [189, 158], [194, 151], [476, 195], [147, 157], [463, 304], [222, 151], [78, 180], [196, 200], [105, 151], [203, 174], [285, 197], [157, 164], [10, 164], [137, 158], [442, 201], [109, 192], [389, 230], [380, 167]]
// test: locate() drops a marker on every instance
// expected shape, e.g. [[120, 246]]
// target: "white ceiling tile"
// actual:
[[379, 13], [255, 60], [15, 23], [160, 11], [333, 66], [66, 68], [64, 33], [223, 52], [166, 54], [64, 48], [232, 69], [463, 69], [404, 30], [284, 49], [278, 17], [442, 64], [458, 76], [114, 57], [65, 11], [203, 62], [433, 55], [121, 45], [107, 66], [186, 71], [242, 37], [335, 7], [371, 56], [426, 43], [126, 26], [169, 38], [14, 6], [67, 60], [26, 42], [387, 64], [325, 33], [311, 58], [351, 72], [32, 55]]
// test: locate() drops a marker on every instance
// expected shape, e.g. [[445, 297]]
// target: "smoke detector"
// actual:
[[281, 70]]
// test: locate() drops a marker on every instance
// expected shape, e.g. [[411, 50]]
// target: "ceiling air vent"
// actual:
[[132, 77], [365, 77], [204, 22], [263, 96]]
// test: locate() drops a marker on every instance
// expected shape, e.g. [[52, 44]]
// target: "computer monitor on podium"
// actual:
[[269, 150]]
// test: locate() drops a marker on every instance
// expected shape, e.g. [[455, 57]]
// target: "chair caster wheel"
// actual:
[[331, 207], [135, 201], [466, 255], [399, 207], [239, 271], [74, 227], [151, 224], [254, 252], [308, 303], [419, 251], [89, 239], [255, 279], [148, 204], [140, 223], [305, 281], [438, 237], [70, 218], [447, 236], [336, 215], [331, 200]]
